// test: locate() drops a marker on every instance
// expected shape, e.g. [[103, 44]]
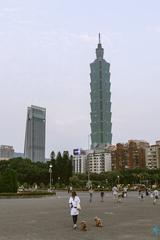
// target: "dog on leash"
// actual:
[[119, 197], [98, 222], [83, 226]]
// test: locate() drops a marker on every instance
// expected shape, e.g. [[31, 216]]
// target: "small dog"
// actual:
[[119, 198], [83, 226], [98, 222]]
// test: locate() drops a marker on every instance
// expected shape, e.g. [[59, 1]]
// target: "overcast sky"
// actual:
[[45, 51]]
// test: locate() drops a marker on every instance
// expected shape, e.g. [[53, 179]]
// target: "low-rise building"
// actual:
[[129, 155], [153, 156], [6, 152], [98, 160], [93, 161], [79, 161]]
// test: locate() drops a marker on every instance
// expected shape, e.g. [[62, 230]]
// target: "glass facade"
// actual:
[[34, 148], [100, 100]]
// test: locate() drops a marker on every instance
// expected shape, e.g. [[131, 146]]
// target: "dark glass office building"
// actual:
[[34, 147], [100, 100]]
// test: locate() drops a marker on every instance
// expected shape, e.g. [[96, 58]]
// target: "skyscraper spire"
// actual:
[[99, 49], [101, 125], [99, 38]]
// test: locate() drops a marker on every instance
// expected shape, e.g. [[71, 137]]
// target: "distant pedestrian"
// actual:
[[141, 195], [102, 194], [147, 192], [115, 192], [90, 194], [156, 196], [74, 203], [139, 192], [125, 189]]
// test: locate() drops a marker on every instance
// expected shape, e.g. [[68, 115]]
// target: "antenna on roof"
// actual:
[[99, 38]]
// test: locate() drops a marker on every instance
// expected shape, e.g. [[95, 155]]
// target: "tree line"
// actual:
[[16, 172], [133, 177]]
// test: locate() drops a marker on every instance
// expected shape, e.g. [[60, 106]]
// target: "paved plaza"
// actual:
[[49, 218]]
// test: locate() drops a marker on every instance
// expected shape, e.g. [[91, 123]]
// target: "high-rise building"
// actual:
[[34, 148], [100, 100]]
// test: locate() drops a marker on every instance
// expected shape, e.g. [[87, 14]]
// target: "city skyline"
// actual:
[[50, 45]]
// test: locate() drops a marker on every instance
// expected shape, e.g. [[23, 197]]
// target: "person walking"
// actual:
[[115, 192], [125, 189], [147, 192], [90, 194], [102, 194], [74, 203], [156, 196]]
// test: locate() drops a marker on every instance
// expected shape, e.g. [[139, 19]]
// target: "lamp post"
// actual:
[[106, 181], [50, 174], [89, 183], [88, 177], [59, 181], [118, 179]]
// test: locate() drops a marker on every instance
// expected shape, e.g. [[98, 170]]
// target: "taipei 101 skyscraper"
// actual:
[[100, 100]]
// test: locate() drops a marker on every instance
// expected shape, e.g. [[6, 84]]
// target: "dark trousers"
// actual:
[[90, 197], [74, 217]]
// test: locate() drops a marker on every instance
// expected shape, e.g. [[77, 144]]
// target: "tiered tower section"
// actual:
[[100, 100]]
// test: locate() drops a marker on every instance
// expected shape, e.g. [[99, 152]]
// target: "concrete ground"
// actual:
[[49, 218]]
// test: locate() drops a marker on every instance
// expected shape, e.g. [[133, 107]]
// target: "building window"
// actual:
[[101, 116], [100, 64], [100, 84], [102, 137]]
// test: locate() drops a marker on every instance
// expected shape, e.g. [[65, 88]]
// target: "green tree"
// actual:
[[53, 162], [8, 181], [59, 167]]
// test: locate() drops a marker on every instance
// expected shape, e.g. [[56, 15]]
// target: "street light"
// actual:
[[89, 183], [106, 181], [88, 177], [59, 181], [50, 172], [118, 179]]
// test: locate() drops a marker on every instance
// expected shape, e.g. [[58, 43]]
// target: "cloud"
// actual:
[[70, 122], [25, 22], [153, 29], [2, 33], [69, 37], [83, 37], [9, 10]]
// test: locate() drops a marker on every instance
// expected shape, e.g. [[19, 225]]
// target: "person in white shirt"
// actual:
[[74, 203], [125, 191], [156, 195], [115, 192]]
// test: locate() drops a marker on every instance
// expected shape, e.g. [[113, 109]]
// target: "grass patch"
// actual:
[[27, 194]]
